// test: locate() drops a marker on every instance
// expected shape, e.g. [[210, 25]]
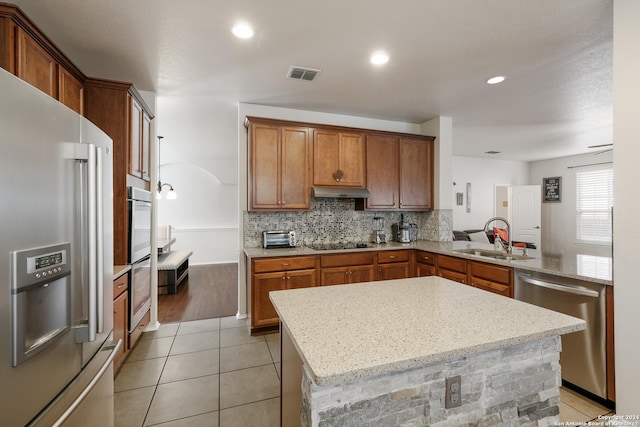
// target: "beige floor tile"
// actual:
[[191, 365], [195, 342], [149, 349], [248, 385], [273, 341], [237, 336], [195, 326], [232, 322], [582, 404], [569, 414], [265, 413], [180, 399], [165, 330], [209, 419], [244, 356], [139, 374], [131, 406]]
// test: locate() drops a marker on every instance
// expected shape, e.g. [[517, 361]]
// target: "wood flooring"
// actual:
[[208, 291]]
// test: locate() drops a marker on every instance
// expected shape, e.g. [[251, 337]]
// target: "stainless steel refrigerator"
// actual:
[[56, 263]]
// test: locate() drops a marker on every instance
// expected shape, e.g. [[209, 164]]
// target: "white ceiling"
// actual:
[[557, 56]]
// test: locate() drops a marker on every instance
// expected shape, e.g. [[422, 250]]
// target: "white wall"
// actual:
[[484, 175], [199, 157], [559, 218], [626, 90]]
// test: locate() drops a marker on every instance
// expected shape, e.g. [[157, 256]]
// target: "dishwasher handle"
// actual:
[[558, 287]]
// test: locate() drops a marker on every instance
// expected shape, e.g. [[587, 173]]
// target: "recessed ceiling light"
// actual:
[[242, 30], [496, 80], [379, 58]]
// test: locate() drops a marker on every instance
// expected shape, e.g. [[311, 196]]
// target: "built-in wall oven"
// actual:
[[139, 202]]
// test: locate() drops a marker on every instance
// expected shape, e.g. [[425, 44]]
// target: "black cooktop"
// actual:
[[338, 245]]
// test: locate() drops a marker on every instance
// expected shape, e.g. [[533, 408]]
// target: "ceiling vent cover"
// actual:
[[302, 73]]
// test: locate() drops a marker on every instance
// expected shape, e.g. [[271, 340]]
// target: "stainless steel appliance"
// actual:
[[378, 230], [402, 230], [139, 202], [278, 239], [583, 356], [56, 266]]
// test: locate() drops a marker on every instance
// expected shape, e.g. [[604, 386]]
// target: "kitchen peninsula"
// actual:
[[381, 353]]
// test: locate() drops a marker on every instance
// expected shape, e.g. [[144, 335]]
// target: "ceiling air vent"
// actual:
[[302, 73]]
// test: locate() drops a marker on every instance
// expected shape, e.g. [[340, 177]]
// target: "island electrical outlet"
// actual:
[[453, 394]]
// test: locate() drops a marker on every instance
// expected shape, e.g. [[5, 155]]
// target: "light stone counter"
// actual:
[[573, 265], [347, 332], [364, 339]]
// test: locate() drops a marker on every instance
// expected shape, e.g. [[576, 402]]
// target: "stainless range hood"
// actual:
[[340, 192]]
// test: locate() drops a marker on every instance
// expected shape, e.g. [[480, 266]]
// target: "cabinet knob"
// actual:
[[121, 286], [427, 258], [285, 264], [392, 257]]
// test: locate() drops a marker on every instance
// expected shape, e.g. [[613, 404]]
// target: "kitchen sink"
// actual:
[[494, 254]]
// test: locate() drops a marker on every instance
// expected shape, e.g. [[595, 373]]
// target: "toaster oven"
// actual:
[[278, 239]]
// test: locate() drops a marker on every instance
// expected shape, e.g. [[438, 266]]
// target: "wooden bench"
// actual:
[[173, 267]]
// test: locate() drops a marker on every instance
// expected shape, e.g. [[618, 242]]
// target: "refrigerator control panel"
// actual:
[[36, 265]]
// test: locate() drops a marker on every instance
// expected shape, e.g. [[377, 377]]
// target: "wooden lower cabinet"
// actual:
[[492, 278], [452, 268], [425, 264], [346, 275], [394, 265], [276, 274], [120, 317], [341, 269]]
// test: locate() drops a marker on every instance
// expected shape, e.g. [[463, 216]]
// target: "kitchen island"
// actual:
[[380, 353]]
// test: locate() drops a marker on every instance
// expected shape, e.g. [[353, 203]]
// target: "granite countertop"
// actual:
[[347, 332], [573, 265], [119, 270]]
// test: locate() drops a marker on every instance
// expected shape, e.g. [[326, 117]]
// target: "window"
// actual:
[[594, 199]]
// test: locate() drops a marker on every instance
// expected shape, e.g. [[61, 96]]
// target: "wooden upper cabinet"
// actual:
[[416, 174], [70, 91], [30, 55], [35, 65], [339, 158], [382, 172], [399, 173], [135, 138], [279, 167]]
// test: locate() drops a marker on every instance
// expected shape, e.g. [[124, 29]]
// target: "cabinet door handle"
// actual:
[[121, 286], [392, 257], [427, 258], [284, 264]]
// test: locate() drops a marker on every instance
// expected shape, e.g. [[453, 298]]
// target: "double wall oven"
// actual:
[[139, 202]]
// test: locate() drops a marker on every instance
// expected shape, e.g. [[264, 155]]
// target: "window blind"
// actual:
[[594, 199]]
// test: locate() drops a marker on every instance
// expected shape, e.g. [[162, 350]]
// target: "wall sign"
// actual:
[[552, 188]]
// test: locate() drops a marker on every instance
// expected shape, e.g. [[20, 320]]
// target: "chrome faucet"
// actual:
[[499, 218]]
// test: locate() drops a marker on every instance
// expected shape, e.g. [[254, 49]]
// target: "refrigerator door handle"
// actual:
[[113, 347], [99, 241], [88, 153]]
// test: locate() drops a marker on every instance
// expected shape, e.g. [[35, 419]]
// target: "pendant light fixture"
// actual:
[[171, 195]]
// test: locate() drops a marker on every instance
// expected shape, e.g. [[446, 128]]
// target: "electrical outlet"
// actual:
[[453, 393]]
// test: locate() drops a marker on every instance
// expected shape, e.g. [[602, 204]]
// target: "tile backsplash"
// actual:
[[336, 220]]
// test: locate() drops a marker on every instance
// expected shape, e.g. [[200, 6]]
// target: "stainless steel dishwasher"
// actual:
[[583, 357]]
